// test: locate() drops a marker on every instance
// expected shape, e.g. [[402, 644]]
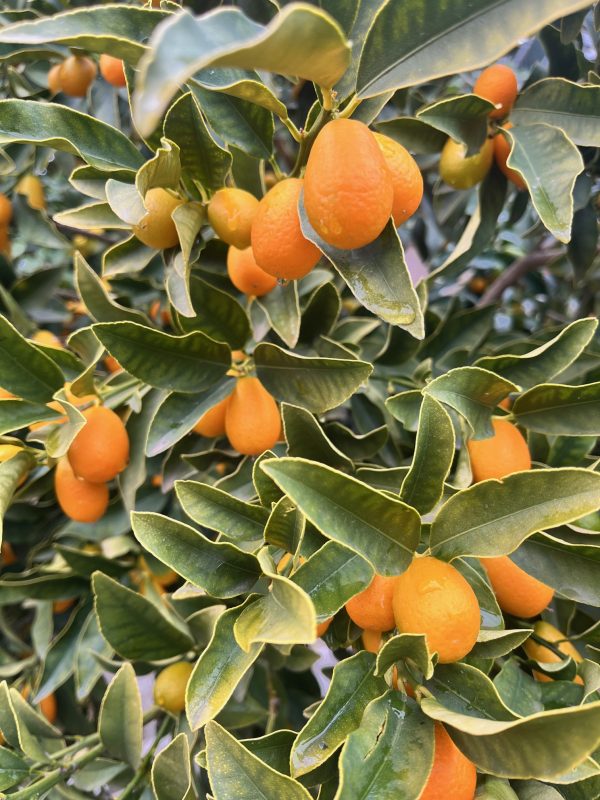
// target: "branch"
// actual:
[[520, 267]]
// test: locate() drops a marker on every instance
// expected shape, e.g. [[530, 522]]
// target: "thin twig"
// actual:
[[520, 267]]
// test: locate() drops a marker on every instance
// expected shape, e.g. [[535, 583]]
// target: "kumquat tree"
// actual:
[[300, 400]]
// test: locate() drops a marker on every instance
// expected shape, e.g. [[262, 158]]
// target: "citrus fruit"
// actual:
[[348, 188], [478, 284], [170, 686], [285, 560], [80, 500], [452, 776], [60, 606], [499, 455], [54, 79], [101, 448], [322, 627], [498, 84], [461, 171], [49, 708], [6, 210], [537, 652], [32, 188], [371, 640], [7, 451], [246, 275], [111, 364], [406, 178], [517, 593], [231, 213], [433, 598], [212, 422], [252, 421], [6, 395], [501, 154], [156, 228], [47, 338], [278, 243], [163, 575], [372, 608], [76, 75], [112, 70]]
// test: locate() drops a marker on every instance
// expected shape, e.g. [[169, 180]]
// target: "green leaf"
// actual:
[[565, 560], [317, 384], [305, 438], [286, 526], [383, 530], [119, 30], [234, 771], [15, 414], [283, 311], [480, 229], [218, 315], [555, 409], [414, 134], [475, 574], [52, 125], [392, 733], [59, 662], [13, 769], [320, 312], [202, 158], [92, 647], [547, 360], [89, 217], [218, 671], [171, 772], [237, 122], [97, 300], [466, 690], [463, 118], [541, 746], [301, 41], [410, 647], [25, 370], [243, 84], [178, 413], [283, 616], [492, 518], [353, 685], [494, 644], [129, 255], [474, 393], [563, 104], [188, 363], [120, 720], [423, 485], [412, 43], [135, 627], [376, 275], [533, 148], [222, 512], [331, 576], [220, 568]]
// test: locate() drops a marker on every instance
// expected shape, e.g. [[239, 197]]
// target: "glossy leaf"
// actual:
[[331, 576], [383, 530], [218, 671], [283, 311], [97, 300], [353, 685], [551, 191], [463, 118], [410, 647], [493, 517], [542, 746], [423, 485], [564, 104], [217, 314], [234, 771], [218, 567], [120, 720], [373, 761], [547, 360], [466, 690], [98, 144], [134, 626], [401, 51], [474, 393], [555, 409], [25, 370], [171, 771], [227, 38], [188, 363], [15, 414], [214, 508], [306, 439], [494, 644], [316, 384], [377, 276]]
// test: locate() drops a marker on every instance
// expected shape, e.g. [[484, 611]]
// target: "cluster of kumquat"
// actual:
[[75, 74]]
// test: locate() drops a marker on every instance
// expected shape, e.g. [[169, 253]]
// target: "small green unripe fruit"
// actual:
[[170, 686], [462, 172]]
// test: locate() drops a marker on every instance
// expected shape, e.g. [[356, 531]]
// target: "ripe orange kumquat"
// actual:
[[499, 455], [372, 608], [252, 419], [246, 275], [498, 84], [100, 451], [231, 213], [406, 178], [452, 776], [517, 593]]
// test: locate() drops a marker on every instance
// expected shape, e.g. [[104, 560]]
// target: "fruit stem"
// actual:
[[350, 108], [308, 137], [39, 788], [294, 132]]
